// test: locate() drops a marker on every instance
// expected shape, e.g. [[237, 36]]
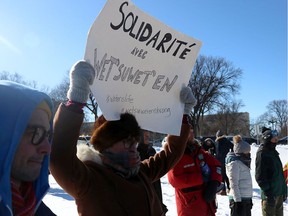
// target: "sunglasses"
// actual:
[[39, 134], [129, 142]]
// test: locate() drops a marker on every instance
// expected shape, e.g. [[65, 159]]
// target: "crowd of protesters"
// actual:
[[110, 177]]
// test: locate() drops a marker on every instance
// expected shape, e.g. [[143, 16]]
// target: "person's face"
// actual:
[[28, 158], [125, 145], [191, 135], [146, 137], [190, 140], [274, 139]]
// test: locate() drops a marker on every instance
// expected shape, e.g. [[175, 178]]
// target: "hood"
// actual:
[[230, 157], [220, 137], [88, 153], [14, 119]]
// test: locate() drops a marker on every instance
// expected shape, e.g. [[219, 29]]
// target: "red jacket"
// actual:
[[186, 177], [285, 171]]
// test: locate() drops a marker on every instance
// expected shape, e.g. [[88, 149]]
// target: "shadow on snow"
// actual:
[[60, 193]]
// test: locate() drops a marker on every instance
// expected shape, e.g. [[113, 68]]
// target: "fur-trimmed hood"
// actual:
[[220, 137], [88, 153]]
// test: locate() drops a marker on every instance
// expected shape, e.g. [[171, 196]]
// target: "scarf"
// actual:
[[245, 159], [126, 164], [23, 198]]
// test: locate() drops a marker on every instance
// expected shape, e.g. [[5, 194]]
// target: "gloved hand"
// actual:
[[187, 97], [82, 75], [270, 201], [210, 191]]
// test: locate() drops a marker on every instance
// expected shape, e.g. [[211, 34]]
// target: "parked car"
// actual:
[[283, 141], [84, 140]]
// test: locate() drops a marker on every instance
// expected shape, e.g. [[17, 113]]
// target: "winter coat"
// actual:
[[210, 148], [13, 123], [96, 189], [269, 171], [240, 178], [187, 179], [285, 172], [223, 146], [145, 152]]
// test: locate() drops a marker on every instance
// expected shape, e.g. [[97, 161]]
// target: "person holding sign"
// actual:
[[109, 178]]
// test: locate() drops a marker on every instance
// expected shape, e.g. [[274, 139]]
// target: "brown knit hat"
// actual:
[[106, 133]]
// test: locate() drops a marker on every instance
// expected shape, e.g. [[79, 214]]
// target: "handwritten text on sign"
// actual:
[[141, 66]]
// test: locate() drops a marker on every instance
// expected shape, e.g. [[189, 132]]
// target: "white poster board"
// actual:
[[141, 65]]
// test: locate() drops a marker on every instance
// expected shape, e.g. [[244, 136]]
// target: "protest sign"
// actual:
[[141, 65]]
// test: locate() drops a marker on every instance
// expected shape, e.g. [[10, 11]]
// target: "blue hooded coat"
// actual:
[[17, 103]]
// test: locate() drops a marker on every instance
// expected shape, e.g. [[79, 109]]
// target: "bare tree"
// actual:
[[228, 119], [59, 92], [231, 121], [214, 81], [15, 77], [92, 105], [59, 95], [279, 109], [276, 117], [262, 121]]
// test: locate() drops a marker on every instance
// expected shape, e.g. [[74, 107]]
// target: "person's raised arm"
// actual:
[[186, 97], [175, 145], [64, 164]]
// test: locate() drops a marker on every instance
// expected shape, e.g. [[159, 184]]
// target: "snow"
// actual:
[[63, 204]]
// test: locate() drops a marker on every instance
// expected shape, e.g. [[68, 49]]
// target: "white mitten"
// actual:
[[82, 75], [187, 97]]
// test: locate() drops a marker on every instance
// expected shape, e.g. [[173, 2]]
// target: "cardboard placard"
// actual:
[[141, 65]]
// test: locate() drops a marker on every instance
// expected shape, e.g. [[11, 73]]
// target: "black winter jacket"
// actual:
[[223, 146], [268, 173]]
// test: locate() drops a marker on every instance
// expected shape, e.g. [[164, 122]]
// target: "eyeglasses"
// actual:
[[39, 134], [129, 142]]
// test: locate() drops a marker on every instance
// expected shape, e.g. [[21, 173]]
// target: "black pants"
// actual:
[[241, 208], [225, 178]]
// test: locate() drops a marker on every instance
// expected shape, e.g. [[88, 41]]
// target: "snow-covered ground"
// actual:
[[62, 204]]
